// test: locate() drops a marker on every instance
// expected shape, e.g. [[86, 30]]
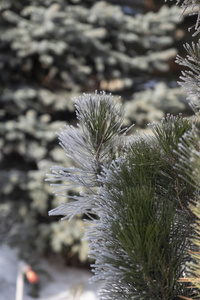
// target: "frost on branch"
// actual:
[[140, 242], [139, 237], [195, 8], [191, 76], [93, 144]]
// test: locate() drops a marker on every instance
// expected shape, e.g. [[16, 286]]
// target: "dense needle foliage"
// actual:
[[143, 191], [139, 239]]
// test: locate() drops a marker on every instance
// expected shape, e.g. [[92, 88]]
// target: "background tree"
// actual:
[[51, 50], [144, 191]]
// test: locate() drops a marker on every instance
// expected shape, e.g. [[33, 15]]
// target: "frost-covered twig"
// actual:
[[92, 145]]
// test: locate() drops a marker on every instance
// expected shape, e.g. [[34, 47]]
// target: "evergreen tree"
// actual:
[[189, 147], [49, 51], [139, 238], [140, 195]]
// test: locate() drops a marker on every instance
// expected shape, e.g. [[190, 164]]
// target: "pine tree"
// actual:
[[49, 51], [140, 195], [189, 147], [139, 238]]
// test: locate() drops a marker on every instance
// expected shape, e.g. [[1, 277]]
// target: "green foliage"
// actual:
[[50, 51], [139, 240], [93, 144], [188, 152], [189, 157], [170, 132], [151, 232], [146, 198], [194, 267], [99, 116], [190, 78]]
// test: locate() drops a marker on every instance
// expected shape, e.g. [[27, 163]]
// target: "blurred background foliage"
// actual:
[[50, 51]]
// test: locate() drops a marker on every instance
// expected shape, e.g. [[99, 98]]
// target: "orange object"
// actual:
[[32, 276]]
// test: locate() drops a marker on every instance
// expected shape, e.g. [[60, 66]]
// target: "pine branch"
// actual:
[[191, 77], [185, 4], [144, 192], [139, 240], [150, 233], [93, 144], [190, 157]]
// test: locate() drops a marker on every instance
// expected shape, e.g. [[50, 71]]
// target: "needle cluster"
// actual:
[[142, 190], [139, 238]]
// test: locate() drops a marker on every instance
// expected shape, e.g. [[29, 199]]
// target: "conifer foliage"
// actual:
[[140, 195], [51, 50], [139, 240], [189, 149], [93, 144]]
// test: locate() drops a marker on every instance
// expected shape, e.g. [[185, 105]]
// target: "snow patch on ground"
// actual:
[[57, 283]]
